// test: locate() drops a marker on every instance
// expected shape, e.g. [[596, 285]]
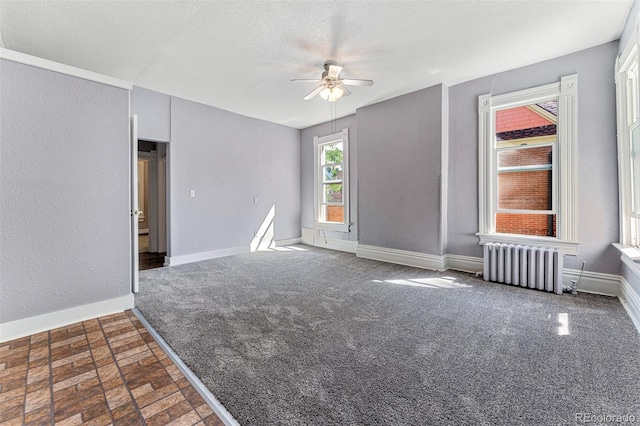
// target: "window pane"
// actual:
[[528, 190], [526, 224], [525, 178], [335, 214], [331, 153], [332, 192], [518, 125], [541, 155], [635, 170], [332, 173]]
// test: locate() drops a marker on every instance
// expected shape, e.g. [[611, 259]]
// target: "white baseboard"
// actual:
[[310, 238], [32, 325], [289, 242], [630, 299], [214, 254], [422, 260], [206, 255], [593, 282], [336, 244], [463, 263], [402, 257]]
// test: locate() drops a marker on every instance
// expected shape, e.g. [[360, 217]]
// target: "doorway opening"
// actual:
[[152, 204]]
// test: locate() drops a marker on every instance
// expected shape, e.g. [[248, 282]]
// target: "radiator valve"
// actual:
[[573, 288]]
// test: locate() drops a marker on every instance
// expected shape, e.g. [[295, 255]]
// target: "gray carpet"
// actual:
[[322, 337]]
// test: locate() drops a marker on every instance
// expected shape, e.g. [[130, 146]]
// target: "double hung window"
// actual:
[[527, 165], [629, 147], [332, 181]]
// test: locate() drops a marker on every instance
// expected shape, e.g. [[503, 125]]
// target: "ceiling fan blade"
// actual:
[[314, 92], [334, 71], [306, 80], [356, 82], [347, 92]]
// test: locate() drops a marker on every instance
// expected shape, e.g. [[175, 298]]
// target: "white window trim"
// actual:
[[627, 227], [628, 246], [567, 93], [343, 137]]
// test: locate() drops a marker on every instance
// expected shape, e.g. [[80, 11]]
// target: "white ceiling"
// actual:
[[241, 56]]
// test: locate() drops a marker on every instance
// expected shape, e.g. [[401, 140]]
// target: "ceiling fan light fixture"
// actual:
[[332, 87], [331, 93]]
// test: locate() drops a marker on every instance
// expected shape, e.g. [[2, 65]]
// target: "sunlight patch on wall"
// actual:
[[263, 240]]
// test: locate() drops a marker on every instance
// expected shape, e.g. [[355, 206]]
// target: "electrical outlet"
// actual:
[[192, 193]]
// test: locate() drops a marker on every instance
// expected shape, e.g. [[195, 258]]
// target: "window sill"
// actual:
[[328, 226], [630, 256], [566, 247]]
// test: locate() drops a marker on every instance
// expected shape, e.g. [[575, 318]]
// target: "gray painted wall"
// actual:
[[229, 159], [632, 19], [399, 154], [64, 185], [154, 114], [597, 158], [307, 169]]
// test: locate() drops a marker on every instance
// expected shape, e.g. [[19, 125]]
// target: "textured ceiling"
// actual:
[[241, 56]]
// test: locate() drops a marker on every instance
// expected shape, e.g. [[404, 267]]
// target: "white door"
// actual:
[[135, 213]]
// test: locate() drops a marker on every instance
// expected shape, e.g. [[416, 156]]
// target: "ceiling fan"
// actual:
[[331, 86]]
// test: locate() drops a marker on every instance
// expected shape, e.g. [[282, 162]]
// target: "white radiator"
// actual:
[[524, 266]]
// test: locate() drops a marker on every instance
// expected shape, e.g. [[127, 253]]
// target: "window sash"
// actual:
[[321, 182], [514, 148], [326, 192], [529, 168], [525, 211], [496, 170]]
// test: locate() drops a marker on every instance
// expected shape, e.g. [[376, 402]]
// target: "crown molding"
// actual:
[[23, 58]]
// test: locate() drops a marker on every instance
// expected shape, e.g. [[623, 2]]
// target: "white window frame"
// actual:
[[564, 169], [318, 142], [627, 99]]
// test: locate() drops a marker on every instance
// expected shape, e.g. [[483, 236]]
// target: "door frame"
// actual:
[[152, 206], [157, 211], [134, 213], [164, 204]]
